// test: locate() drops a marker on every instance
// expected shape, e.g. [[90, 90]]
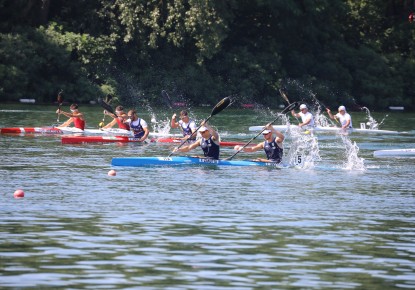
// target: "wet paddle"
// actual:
[[60, 101], [321, 103], [290, 107], [285, 97], [108, 100], [223, 104], [166, 99], [106, 107]]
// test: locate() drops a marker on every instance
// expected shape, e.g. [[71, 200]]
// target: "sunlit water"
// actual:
[[345, 221]]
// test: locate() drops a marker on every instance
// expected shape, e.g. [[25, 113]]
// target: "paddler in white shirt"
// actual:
[[307, 118], [344, 118]]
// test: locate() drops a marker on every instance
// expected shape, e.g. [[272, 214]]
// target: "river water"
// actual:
[[344, 221]]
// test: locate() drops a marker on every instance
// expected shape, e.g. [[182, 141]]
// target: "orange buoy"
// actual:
[[112, 172]]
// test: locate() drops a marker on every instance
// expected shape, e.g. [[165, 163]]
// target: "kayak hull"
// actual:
[[395, 153], [126, 139], [319, 129], [181, 160], [66, 130]]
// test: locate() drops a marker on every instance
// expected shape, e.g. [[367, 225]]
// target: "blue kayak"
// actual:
[[180, 160]]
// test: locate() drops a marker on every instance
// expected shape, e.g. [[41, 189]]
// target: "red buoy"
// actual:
[[18, 193]]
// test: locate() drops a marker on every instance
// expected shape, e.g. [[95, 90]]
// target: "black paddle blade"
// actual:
[[107, 107], [290, 107], [223, 104], [60, 97], [108, 98], [166, 99], [284, 96]]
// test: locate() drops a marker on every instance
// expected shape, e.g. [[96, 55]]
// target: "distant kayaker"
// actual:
[[209, 142], [272, 145], [74, 116], [344, 118], [307, 118], [138, 126], [187, 125], [120, 119]]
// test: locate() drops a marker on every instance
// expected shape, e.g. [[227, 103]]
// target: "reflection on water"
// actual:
[[206, 227]]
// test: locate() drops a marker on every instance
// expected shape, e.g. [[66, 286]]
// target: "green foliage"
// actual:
[[33, 67], [200, 50]]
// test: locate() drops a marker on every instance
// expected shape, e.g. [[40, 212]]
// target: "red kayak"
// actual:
[[125, 139]]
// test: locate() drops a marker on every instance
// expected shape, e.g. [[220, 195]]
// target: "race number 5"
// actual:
[[299, 160]]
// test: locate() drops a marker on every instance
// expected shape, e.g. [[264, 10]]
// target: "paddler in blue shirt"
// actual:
[[272, 145], [187, 125], [209, 143]]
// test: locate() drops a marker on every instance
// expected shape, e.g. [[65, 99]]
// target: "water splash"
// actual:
[[372, 123], [304, 148], [162, 127], [352, 160]]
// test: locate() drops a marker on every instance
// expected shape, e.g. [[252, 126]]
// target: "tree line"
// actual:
[[357, 53]]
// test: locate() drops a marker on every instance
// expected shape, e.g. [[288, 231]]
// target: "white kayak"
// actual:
[[76, 131], [320, 129], [409, 152]]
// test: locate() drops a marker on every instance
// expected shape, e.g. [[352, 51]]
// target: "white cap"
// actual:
[[266, 132], [303, 106], [342, 108], [203, 129]]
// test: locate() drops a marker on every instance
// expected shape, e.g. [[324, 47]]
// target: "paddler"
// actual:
[[209, 142], [187, 125], [138, 126], [272, 145], [74, 116], [120, 118], [344, 118], [307, 118]]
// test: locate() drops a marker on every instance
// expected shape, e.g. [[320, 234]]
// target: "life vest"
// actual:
[[137, 128], [78, 123], [187, 131], [210, 148], [273, 151], [122, 125]]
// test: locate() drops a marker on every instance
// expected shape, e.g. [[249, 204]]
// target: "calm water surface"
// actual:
[[344, 223]]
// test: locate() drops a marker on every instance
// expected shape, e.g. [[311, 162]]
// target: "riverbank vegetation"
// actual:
[[357, 53]]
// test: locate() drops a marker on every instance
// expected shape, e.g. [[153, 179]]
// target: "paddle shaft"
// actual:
[[166, 99], [108, 100], [285, 97], [60, 101], [321, 103], [286, 110]]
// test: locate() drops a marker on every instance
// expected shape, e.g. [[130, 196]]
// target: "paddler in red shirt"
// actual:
[[74, 116]]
